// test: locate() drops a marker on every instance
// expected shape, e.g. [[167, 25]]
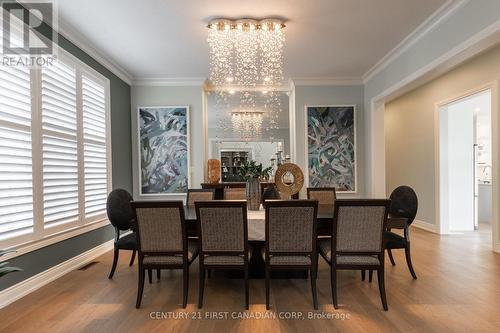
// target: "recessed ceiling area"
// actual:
[[168, 38]]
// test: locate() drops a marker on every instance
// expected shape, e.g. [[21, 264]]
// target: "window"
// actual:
[[54, 150]]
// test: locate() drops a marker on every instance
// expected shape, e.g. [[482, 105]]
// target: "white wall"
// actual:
[[458, 165]]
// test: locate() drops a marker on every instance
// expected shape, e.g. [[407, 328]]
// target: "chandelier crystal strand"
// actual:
[[220, 41]]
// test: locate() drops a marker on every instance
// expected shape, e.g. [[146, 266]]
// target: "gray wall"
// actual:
[[330, 95], [410, 137], [172, 96], [40, 260]]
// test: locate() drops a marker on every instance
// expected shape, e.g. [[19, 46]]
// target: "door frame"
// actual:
[[443, 226]]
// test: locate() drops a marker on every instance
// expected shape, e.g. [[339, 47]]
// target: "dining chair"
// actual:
[[291, 240], [402, 212], [199, 195], [357, 242], [121, 216], [324, 195], [162, 241], [223, 239], [235, 193]]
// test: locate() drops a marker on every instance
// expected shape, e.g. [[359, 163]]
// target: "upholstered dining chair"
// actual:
[[236, 193], [291, 240], [199, 195], [162, 241], [356, 244], [324, 195], [121, 216], [223, 239]]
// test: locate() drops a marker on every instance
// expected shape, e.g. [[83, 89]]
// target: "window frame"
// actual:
[[46, 235]]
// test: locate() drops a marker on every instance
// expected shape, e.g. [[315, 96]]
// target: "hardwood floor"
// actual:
[[458, 289]]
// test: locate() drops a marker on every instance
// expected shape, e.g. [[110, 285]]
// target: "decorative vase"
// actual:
[[213, 171], [253, 193]]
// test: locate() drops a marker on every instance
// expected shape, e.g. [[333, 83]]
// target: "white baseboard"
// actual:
[[35, 282], [426, 226]]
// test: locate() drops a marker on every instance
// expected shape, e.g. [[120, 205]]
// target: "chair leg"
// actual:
[[363, 275], [408, 261], [150, 275], [132, 258], [389, 252], [313, 289], [370, 275], [247, 290], [267, 288], [115, 262], [158, 274], [140, 287], [185, 286], [381, 287], [333, 282], [202, 285]]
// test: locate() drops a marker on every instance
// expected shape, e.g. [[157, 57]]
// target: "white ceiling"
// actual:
[[167, 38]]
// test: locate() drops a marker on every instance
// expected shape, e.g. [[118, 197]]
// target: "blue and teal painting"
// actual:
[[331, 147], [163, 149]]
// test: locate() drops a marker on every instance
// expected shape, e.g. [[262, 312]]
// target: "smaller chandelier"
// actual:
[[247, 123]]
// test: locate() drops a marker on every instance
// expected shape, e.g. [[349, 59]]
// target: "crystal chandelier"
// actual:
[[246, 53], [246, 56], [247, 123]]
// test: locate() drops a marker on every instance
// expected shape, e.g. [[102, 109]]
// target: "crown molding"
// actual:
[[85, 45], [327, 81], [168, 81], [442, 13]]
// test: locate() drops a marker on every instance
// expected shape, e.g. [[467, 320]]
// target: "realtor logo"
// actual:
[[25, 28]]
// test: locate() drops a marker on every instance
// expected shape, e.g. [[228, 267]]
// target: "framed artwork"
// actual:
[[331, 147], [163, 149]]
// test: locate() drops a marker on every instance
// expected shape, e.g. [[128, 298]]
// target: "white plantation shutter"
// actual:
[[16, 180], [60, 150], [95, 153]]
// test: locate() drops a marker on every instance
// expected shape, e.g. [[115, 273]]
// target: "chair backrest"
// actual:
[[199, 195], [119, 209], [222, 227], [161, 227], [237, 193], [324, 195], [404, 202], [358, 226], [291, 226]]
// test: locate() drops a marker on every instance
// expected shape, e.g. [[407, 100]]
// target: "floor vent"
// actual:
[[90, 264]]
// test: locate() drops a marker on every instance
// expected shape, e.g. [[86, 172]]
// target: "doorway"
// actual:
[[465, 147]]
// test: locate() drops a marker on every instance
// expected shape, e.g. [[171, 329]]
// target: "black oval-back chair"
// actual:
[[121, 216], [402, 213]]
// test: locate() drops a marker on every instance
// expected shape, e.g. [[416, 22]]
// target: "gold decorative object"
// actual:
[[289, 187], [213, 171]]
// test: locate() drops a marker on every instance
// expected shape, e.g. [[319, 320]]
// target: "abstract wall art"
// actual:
[[163, 149], [331, 147]]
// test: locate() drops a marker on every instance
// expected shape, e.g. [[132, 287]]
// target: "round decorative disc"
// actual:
[[288, 186]]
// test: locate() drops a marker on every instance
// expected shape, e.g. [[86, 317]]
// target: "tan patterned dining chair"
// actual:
[[223, 239], [194, 195], [236, 193], [324, 195], [162, 241], [291, 240], [356, 244]]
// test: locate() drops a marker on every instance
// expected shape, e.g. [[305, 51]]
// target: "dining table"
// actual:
[[257, 236]]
